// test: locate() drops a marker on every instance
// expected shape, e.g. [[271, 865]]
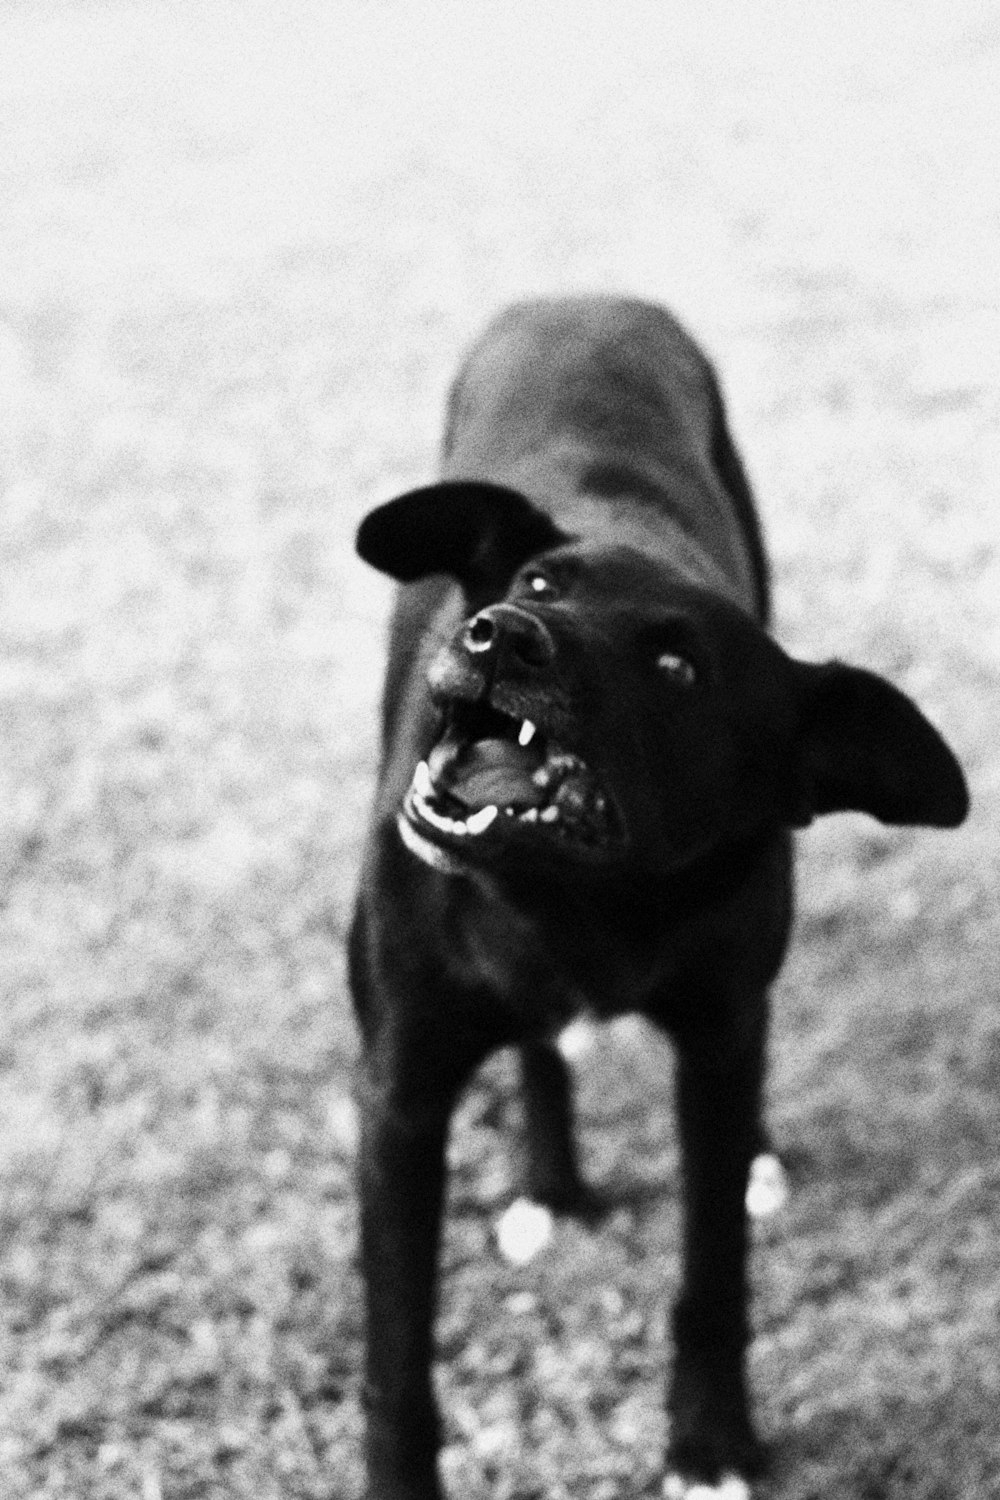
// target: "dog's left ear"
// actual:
[[865, 746], [478, 533]]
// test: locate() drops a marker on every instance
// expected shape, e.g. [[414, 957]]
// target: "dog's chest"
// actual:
[[550, 963]]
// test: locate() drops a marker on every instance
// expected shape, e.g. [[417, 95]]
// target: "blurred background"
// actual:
[[241, 249]]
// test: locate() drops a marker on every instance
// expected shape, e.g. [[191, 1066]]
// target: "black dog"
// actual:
[[593, 757]]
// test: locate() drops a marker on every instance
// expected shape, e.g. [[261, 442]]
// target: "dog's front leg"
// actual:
[[405, 1102], [711, 1437]]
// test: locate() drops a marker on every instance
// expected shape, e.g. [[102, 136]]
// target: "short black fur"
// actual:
[[638, 859]]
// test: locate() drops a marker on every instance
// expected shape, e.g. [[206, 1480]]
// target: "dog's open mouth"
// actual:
[[493, 776]]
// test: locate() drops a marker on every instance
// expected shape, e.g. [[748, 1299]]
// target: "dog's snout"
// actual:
[[505, 628]]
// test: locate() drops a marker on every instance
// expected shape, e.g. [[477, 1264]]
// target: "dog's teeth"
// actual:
[[530, 815], [527, 733], [480, 821], [436, 819], [548, 814], [422, 783], [477, 823]]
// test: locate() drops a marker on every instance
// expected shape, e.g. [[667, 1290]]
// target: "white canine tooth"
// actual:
[[530, 815], [422, 783], [548, 814], [480, 821], [527, 733]]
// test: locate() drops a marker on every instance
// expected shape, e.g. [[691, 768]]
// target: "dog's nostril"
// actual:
[[511, 633], [479, 634]]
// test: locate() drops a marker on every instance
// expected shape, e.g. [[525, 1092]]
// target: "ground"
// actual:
[[242, 247]]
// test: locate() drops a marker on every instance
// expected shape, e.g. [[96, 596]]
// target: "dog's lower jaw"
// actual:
[[434, 855]]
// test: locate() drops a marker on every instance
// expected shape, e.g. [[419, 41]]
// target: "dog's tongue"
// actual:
[[487, 771]]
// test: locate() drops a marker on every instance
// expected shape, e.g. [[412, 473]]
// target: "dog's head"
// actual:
[[598, 707]]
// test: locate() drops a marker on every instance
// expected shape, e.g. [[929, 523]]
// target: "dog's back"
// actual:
[[610, 398]]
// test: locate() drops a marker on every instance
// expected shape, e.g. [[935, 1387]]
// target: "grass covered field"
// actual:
[[241, 249]]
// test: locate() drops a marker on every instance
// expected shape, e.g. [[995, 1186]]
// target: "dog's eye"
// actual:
[[678, 668], [540, 584]]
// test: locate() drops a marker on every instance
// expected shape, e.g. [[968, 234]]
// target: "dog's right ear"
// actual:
[[864, 746], [477, 533]]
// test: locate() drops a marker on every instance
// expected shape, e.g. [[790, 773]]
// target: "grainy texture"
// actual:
[[242, 247]]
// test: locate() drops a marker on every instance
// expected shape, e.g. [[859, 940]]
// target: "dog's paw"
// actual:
[[523, 1230], [578, 1038], [729, 1487], [767, 1189], [342, 1118]]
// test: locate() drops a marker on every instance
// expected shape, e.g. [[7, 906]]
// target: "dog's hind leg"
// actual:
[[552, 1172]]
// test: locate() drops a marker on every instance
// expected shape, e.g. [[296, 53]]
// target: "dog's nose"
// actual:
[[505, 628]]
